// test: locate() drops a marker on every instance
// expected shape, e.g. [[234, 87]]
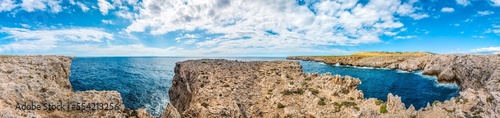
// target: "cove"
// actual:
[[413, 87]]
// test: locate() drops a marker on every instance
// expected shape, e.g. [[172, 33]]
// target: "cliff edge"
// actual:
[[222, 88], [38, 86]]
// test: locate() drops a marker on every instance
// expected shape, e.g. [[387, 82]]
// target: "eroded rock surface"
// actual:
[[222, 88], [44, 79]]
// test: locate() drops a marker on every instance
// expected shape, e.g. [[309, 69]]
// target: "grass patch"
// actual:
[[378, 102], [290, 92], [322, 102], [281, 106], [313, 91], [383, 108], [435, 102], [304, 83]]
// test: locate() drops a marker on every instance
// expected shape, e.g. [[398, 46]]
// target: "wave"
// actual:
[[402, 71], [447, 85]]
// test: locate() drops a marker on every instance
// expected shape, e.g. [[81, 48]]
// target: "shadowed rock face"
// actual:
[[222, 88], [44, 79]]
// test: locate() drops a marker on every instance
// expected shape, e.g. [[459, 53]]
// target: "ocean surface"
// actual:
[[144, 81]]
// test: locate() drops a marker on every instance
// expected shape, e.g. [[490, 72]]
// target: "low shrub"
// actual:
[[281, 106], [383, 108]]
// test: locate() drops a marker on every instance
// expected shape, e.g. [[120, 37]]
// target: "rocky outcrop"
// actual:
[[222, 88], [43, 80]]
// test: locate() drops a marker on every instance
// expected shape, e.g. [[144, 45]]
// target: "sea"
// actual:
[[143, 82]]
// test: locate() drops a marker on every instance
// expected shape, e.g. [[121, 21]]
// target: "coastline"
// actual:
[[223, 88]]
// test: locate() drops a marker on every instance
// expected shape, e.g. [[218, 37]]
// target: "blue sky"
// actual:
[[247, 28]]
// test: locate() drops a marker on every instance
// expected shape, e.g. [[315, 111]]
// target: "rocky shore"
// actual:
[[222, 88], [28, 84], [469, 71]]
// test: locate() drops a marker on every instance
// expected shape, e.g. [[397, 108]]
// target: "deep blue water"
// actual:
[[144, 81], [413, 87]]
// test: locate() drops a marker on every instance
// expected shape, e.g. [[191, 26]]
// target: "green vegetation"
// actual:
[[281, 106], [313, 91], [490, 99], [204, 104], [321, 102], [30, 76], [348, 104], [371, 54], [383, 108], [304, 83], [357, 108], [308, 78], [289, 116], [435, 102], [291, 83], [290, 92]]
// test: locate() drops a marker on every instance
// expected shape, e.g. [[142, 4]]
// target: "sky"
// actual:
[[247, 27]]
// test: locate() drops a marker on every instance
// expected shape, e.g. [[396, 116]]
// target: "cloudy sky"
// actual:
[[247, 27]]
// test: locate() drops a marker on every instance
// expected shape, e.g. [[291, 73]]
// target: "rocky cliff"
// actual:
[[28, 84], [222, 88]]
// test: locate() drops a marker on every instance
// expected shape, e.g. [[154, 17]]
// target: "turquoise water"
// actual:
[[144, 81], [413, 87]]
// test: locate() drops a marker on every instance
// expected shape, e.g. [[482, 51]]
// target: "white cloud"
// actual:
[[32, 5], [341, 22], [484, 13], [406, 37], [83, 6], [495, 2], [447, 9], [104, 6], [489, 50], [463, 2], [419, 16], [107, 22], [32, 40], [7, 5]]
